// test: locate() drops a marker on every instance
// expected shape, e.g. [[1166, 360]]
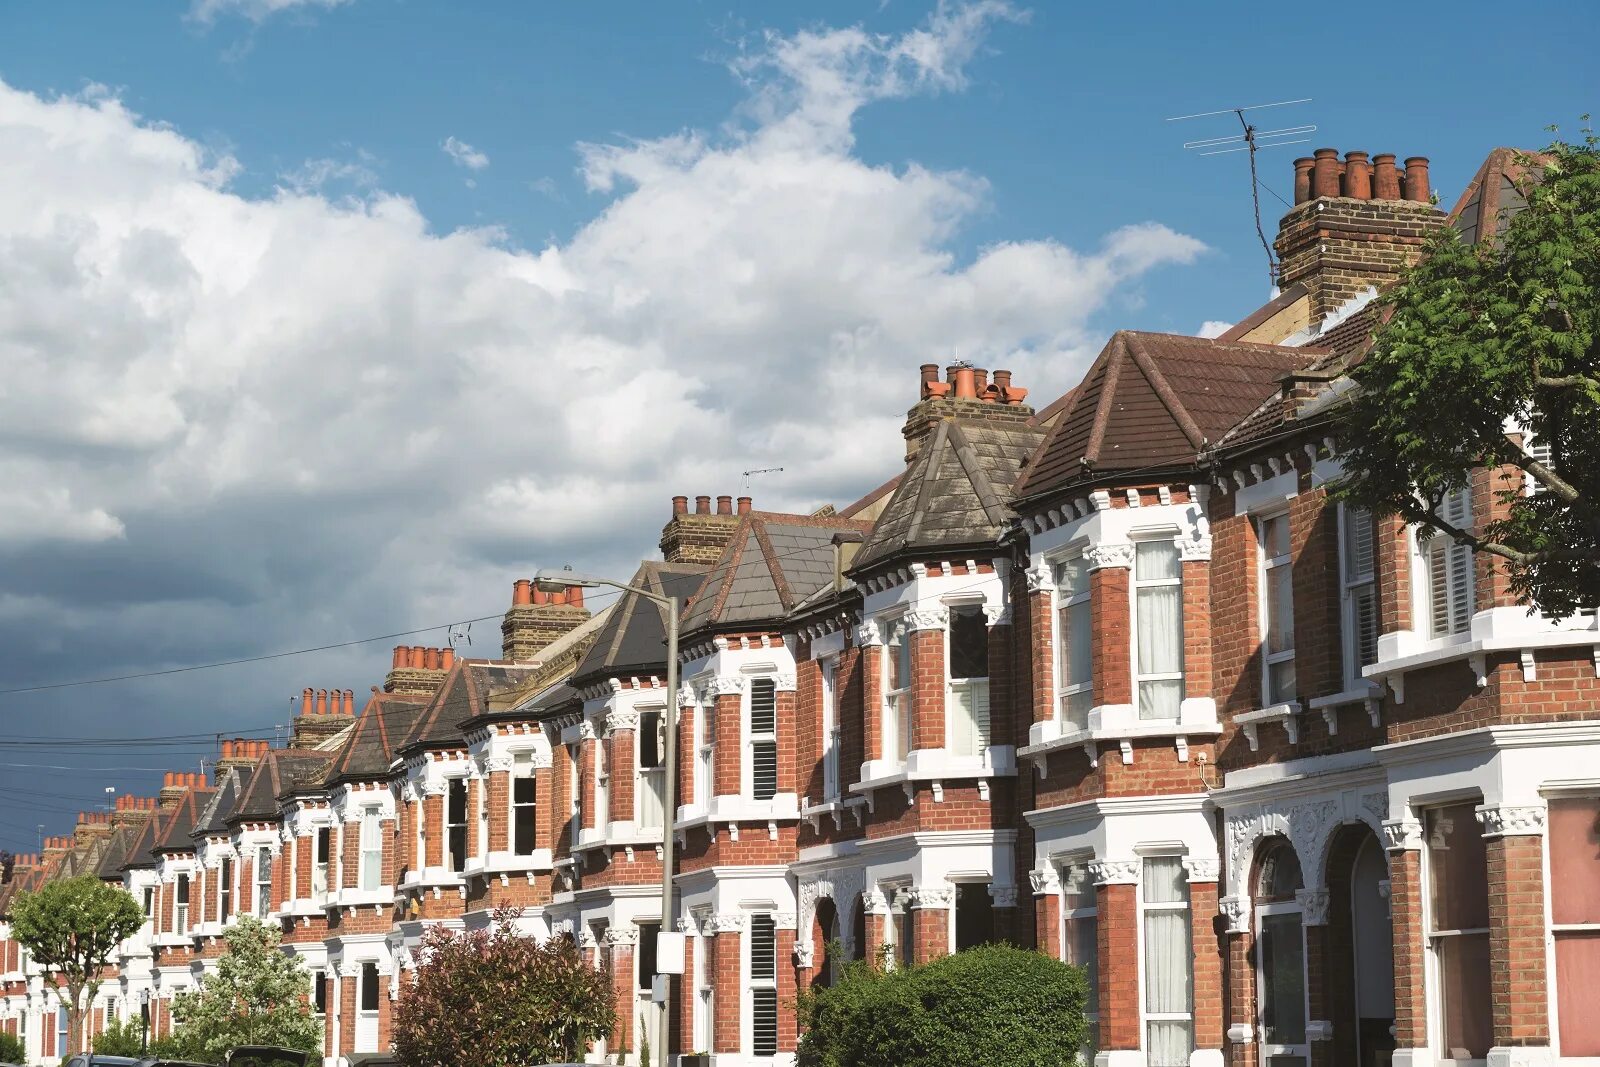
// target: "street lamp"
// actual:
[[669, 943]]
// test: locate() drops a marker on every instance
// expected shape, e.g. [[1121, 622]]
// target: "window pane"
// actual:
[[1364, 606], [1458, 865], [1280, 609], [1464, 990], [1161, 630], [1283, 971], [1072, 577], [647, 954], [1280, 682], [1575, 860], [1275, 536], [1167, 956], [651, 743], [1358, 544], [969, 642], [763, 706], [974, 915], [1160, 700], [1167, 1044], [1156, 559], [1077, 633], [1164, 881], [1083, 951], [1577, 979]]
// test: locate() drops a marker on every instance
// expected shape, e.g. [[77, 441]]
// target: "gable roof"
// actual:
[[213, 820], [281, 771], [370, 748], [463, 694], [176, 830], [142, 842], [119, 848], [955, 492], [1496, 192], [635, 634], [770, 564], [1151, 402]]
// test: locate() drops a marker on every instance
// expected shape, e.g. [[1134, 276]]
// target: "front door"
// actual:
[[1281, 985]]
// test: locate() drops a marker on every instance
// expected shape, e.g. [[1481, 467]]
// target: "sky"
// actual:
[[327, 319]]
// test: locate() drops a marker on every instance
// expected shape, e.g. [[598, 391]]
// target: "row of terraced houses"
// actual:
[[1110, 676]]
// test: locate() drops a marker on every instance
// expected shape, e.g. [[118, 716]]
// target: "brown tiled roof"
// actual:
[[141, 849], [370, 746], [1285, 299], [1151, 402], [280, 772], [1497, 191]]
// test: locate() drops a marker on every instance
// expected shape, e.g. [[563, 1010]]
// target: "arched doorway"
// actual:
[[1360, 967], [1281, 994], [825, 934]]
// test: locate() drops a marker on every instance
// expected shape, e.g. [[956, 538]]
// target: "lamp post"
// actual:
[[669, 948]]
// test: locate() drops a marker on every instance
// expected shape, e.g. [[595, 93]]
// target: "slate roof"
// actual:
[[119, 847], [635, 635], [176, 830], [213, 819], [370, 744], [463, 694], [955, 492], [1152, 402], [280, 772], [141, 846], [770, 564], [1496, 192]]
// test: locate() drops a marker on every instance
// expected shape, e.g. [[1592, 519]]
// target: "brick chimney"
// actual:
[[132, 810], [323, 713], [699, 536], [536, 618], [240, 754], [965, 393], [175, 785], [91, 825], [418, 669], [1356, 224]]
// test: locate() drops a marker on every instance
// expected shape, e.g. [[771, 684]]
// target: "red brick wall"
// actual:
[[622, 756], [1117, 934], [931, 932], [730, 744], [927, 689], [1040, 638], [1517, 940], [726, 989], [1405, 903], [1210, 950], [1109, 659]]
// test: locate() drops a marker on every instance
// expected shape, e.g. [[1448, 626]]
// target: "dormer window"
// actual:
[[1158, 628], [763, 739], [897, 693], [1074, 642], [967, 729]]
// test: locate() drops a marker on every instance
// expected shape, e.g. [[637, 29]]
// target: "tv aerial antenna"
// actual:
[[762, 470], [1251, 139]]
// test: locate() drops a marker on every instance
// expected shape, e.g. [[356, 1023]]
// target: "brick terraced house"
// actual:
[[1111, 677]]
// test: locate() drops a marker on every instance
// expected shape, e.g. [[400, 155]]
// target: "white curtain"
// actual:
[[1168, 960], [1160, 610]]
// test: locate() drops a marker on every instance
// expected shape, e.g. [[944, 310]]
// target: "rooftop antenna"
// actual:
[[458, 635], [763, 470], [1250, 140]]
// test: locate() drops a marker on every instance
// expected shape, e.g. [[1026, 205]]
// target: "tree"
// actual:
[[499, 999], [71, 927], [1483, 338], [990, 1006], [258, 995]]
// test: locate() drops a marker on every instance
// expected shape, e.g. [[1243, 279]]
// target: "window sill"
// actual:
[[171, 940], [508, 862], [1250, 722], [935, 765], [618, 835], [361, 898], [1120, 723], [434, 878], [732, 809], [814, 813], [1492, 630], [1367, 693]]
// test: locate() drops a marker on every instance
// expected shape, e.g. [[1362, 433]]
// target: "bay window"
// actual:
[[1277, 609], [763, 987], [897, 692], [1158, 628], [967, 645], [1358, 572], [1574, 843], [524, 805], [1458, 931], [1168, 963], [1074, 634], [763, 746], [1447, 569], [263, 882]]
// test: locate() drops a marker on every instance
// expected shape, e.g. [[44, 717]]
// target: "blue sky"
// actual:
[[286, 371]]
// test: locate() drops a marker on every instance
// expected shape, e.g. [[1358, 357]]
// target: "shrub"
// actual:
[[992, 1006], [120, 1039], [10, 1049]]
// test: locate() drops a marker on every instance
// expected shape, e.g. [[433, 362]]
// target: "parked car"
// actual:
[[90, 1059], [268, 1056], [152, 1061]]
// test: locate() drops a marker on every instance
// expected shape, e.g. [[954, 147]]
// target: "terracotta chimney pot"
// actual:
[[1002, 381], [305, 695], [447, 658], [966, 384], [680, 505], [418, 656], [1385, 178], [349, 705], [575, 596], [399, 656], [1302, 179], [1325, 173], [322, 702], [930, 374], [1417, 179], [521, 592], [1357, 176], [431, 660], [744, 505], [724, 505], [702, 505]]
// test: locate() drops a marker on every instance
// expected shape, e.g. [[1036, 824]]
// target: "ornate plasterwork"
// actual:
[[435, 788], [1044, 881], [997, 614], [868, 633], [1004, 896], [804, 955], [1109, 554], [1114, 872], [785, 682], [1039, 577], [1308, 825], [1402, 835], [1512, 821], [1201, 870], [622, 719], [940, 897], [726, 922], [1313, 906], [626, 935], [841, 887], [927, 618], [1235, 909], [727, 685], [1191, 549], [873, 902], [498, 764]]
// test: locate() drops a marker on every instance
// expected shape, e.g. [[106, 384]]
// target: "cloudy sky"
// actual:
[[326, 319]]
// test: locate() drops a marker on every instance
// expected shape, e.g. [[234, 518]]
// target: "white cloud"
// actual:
[[258, 11], [464, 154], [262, 422], [1213, 328]]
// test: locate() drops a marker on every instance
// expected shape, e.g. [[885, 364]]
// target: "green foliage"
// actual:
[[991, 1006], [1485, 336], [121, 1039], [71, 927], [10, 1049], [258, 995], [508, 999]]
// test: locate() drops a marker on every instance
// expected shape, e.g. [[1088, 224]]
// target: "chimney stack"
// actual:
[[332, 712], [528, 627], [1355, 225], [700, 537], [966, 393], [132, 810], [239, 754]]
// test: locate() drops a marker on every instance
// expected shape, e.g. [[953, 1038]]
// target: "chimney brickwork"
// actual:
[[323, 713], [175, 785], [966, 393], [699, 536], [1356, 224], [417, 669], [537, 618], [131, 810], [239, 753]]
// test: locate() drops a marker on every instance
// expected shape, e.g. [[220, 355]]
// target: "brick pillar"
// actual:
[[624, 758], [474, 829], [1319, 998], [730, 746], [687, 786], [931, 923], [1117, 933], [1405, 909], [685, 997], [350, 849], [1108, 657], [788, 1023], [1047, 916], [623, 1033], [1197, 678], [433, 829], [787, 711], [877, 924], [871, 706], [729, 1005], [1518, 984], [347, 1015], [385, 1008], [1392, 546], [1239, 1013], [1208, 953], [927, 682], [499, 785], [1041, 661], [586, 777]]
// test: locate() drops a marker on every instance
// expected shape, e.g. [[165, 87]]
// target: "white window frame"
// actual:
[[832, 735], [1423, 552], [602, 782], [482, 806], [522, 769], [370, 859], [445, 825], [704, 1026], [895, 714], [751, 738], [971, 688], [180, 910], [574, 792], [364, 1014], [225, 890], [1134, 585], [1265, 567], [649, 781], [1432, 980], [751, 983], [263, 888], [320, 868], [705, 749], [1351, 587], [1553, 928], [1142, 909], [1067, 690], [1070, 914], [1265, 1051]]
